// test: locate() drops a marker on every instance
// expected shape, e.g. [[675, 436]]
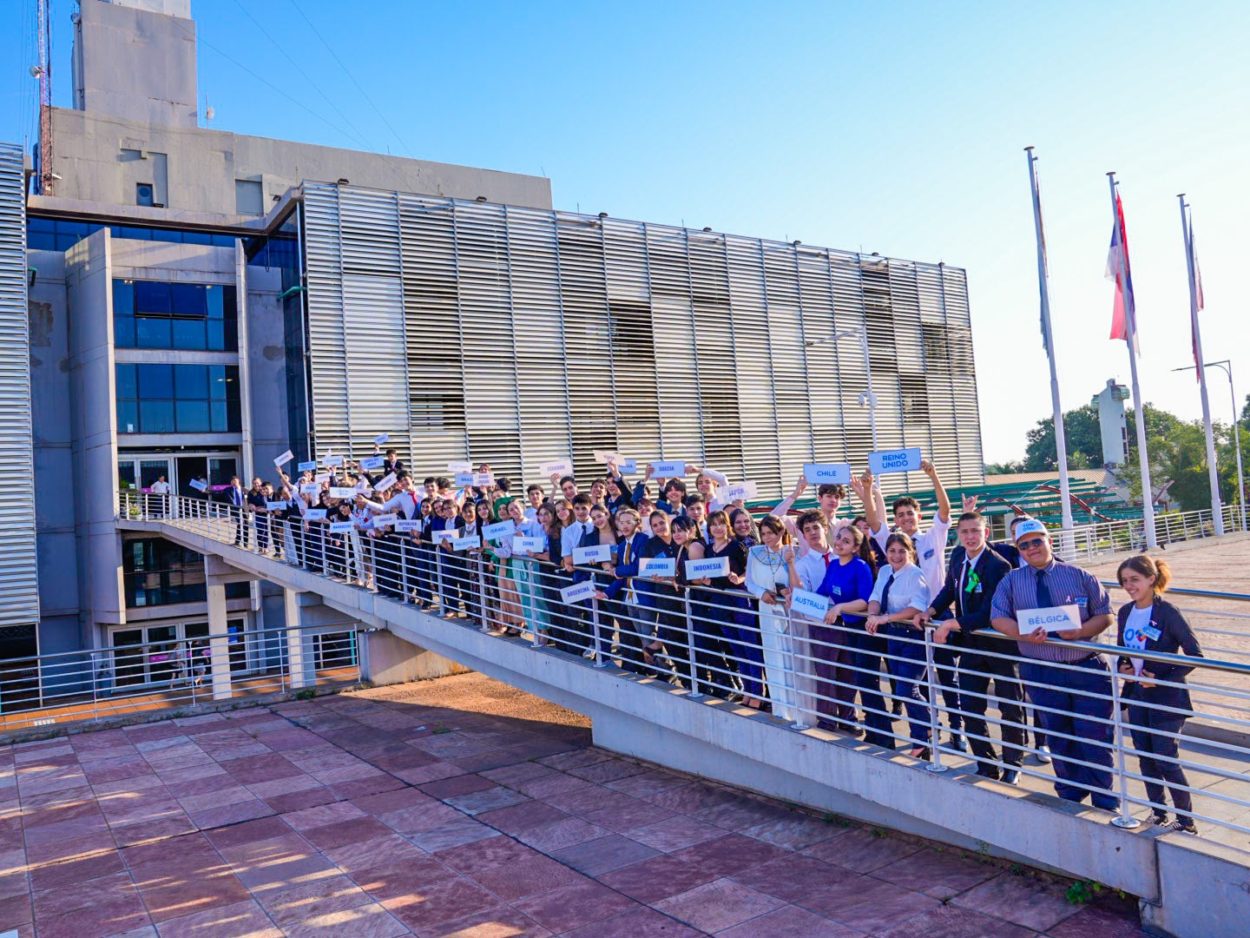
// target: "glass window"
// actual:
[[156, 381], [152, 297], [152, 333], [156, 416], [192, 417], [191, 381], [123, 332], [188, 299], [178, 398], [174, 315], [190, 334], [144, 194], [127, 387], [123, 298], [127, 417]]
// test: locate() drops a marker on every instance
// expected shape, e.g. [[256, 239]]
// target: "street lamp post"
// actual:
[[868, 398], [1226, 366]]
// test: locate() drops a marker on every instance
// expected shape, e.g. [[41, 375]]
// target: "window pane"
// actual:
[[191, 382], [229, 302], [234, 422], [156, 416], [196, 237], [213, 299], [156, 381], [127, 418], [217, 382], [152, 297], [232, 336], [41, 241], [126, 387], [123, 298], [151, 333], [193, 417], [216, 336], [221, 421], [232, 383], [187, 299], [189, 333], [124, 332]]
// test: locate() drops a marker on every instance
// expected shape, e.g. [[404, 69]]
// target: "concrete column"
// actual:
[[299, 657], [218, 641], [385, 658]]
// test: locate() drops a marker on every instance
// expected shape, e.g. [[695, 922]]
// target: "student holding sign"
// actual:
[[658, 594], [729, 607], [828, 652], [1158, 700], [708, 648], [601, 535], [634, 625], [1072, 701], [516, 595], [771, 575], [899, 595]]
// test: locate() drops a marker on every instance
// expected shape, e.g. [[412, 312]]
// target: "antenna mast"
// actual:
[[45, 99]]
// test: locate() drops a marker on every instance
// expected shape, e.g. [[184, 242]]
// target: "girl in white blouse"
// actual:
[[771, 575]]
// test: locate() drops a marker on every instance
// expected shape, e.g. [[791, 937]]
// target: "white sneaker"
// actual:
[[1043, 754], [589, 651]]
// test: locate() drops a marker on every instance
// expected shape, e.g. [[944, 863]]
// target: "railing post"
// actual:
[[1123, 819], [931, 679], [601, 657], [403, 569], [481, 591], [690, 648], [798, 647], [438, 578]]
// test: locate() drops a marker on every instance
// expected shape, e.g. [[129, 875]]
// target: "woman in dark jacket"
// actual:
[[1155, 691]]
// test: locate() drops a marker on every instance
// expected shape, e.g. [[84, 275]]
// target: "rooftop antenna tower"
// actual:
[[46, 178]]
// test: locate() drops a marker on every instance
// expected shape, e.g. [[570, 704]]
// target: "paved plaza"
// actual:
[[459, 807]]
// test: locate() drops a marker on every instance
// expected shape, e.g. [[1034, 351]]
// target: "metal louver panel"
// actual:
[[516, 336], [19, 584]]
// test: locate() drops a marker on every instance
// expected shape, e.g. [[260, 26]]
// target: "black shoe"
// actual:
[[1160, 819], [896, 708], [1011, 776], [958, 743]]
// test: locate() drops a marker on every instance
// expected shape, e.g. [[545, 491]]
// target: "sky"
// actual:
[[897, 128]]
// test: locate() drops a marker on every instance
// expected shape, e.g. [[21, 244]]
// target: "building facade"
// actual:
[[197, 302]]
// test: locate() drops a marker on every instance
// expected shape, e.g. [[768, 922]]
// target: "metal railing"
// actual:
[[1128, 534], [1082, 727], [103, 683]]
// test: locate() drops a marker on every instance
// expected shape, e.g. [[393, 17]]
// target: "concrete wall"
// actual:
[[136, 63], [202, 167], [266, 368]]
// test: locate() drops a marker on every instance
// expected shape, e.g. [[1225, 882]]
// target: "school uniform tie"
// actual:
[[885, 596], [828, 558], [1043, 591], [963, 580]]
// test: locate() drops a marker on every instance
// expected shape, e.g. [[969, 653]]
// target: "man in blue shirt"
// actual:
[[1069, 684]]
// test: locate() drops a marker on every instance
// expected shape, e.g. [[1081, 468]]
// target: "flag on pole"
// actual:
[[1193, 331], [1124, 313]]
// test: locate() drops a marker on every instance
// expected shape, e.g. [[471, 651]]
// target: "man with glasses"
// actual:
[[1071, 687]]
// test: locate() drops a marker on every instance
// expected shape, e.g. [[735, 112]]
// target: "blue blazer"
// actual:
[[1174, 634]]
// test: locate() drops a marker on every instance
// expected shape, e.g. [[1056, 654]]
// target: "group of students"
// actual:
[[737, 633]]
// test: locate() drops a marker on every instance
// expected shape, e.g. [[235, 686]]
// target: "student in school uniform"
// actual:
[[236, 497], [256, 507], [708, 651], [771, 575], [728, 605], [1158, 700], [696, 510], [828, 654], [662, 602], [455, 596], [602, 533], [617, 492], [635, 625], [971, 579], [576, 617]]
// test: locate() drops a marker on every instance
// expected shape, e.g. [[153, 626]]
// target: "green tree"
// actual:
[[1081, 434], [1178, 455]]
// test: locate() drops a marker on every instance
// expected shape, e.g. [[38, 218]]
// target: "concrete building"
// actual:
[[201, 301]]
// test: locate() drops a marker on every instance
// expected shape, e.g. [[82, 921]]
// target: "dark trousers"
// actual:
[[716, 675], [456, 581], [633, 631], [870, 650], [975, 673], [388, 563], [421, 556], [1156, 752], [832, 657], [743, 647], [668, 616], [314, 547], [262, 532], [907, 666], [945, 660], [1085, 716]]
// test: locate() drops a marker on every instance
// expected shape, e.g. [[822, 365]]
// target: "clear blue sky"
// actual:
[[892, 128]]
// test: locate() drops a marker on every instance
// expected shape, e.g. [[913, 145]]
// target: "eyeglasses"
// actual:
[[1031, 543]]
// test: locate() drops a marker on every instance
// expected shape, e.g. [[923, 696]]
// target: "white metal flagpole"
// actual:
[[1043, 287], [1148, 501], [1187, 230]]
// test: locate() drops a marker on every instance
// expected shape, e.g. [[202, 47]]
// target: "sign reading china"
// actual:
[[668, 469], [658, 566], [739, 491], [598, 553], [578, 592], [498, 531], [708, 567], [894, 460], [810, 604], [828, 473], [1052, 619], [528, 545]]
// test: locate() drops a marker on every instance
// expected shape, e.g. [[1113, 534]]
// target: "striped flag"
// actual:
[[1193, 330], [1124, 314]]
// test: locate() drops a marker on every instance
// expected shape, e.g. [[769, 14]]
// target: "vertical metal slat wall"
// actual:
[[517, 336]]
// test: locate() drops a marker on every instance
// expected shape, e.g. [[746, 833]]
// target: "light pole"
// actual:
[[1226, 366], [868, 398]]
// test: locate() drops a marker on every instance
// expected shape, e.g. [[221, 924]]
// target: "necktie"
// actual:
[[885, 596], [828, 556], [963, 580], [1043, 591]]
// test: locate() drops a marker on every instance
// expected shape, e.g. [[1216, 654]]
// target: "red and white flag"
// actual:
[[1124, 313]]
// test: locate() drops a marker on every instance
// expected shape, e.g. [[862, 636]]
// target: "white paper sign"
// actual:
[[372, 462], [331, 462], [283, 459], [626, 466], [498, 531], [461, 466], [321, 478], [668, 469], [310, 466], [894, 460], [447, 534], [561, 467], [658, 566], [578, 592], [598, 553], [315, 514], [464, 479], [810, 604], [389, 518], [472, 542], [408, 524], [528, 545], [483, 480], [341, 527], [342, 491], [707, 567], [381, 438], [1052, 619], [827, 473], [385, 483], [198, 485], [276, 506], [606, 456], [739, 491], [310, 488]]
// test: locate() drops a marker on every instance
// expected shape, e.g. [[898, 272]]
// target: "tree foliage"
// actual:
[[1081, 434]]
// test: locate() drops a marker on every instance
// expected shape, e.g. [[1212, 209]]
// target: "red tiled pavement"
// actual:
[[459, 807]]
